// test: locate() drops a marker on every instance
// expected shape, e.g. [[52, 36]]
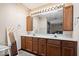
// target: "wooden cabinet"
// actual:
[[69, 48], [35, 45], [29, 44], [66, 51], [49, 47], [29, 23], [53, 48], [23, 42], [26, 43], [42, 47], [68, 18]]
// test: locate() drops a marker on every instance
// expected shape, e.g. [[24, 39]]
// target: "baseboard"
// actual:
[[19, 49], [30, 52], [7, 55], [26, 51]]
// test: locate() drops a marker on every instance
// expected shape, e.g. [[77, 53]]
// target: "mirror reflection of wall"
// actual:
[[43, 25], [40, 25]]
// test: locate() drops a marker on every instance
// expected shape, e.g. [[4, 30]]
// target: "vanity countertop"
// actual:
[[60, 37]]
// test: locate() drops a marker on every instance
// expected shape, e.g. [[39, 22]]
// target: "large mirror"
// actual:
[[55, 22], [49, 23]]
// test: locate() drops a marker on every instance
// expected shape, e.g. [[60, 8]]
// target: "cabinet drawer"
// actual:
[[23, 37], [53, 50], [35, 40], [29, 38], [53, 42], [69, 43], [42, 41]]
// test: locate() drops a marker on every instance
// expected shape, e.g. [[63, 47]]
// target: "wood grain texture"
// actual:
[[28, 23], [35, 45], [68, 18], [29, 44], [23, 42], [69, 48], [42, 46], [53, 48]]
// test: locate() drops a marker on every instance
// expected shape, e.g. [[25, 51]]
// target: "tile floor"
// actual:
[[24, 53], [20, 53]]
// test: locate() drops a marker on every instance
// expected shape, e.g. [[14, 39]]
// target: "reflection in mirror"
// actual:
[[55, 22], [49, 23]]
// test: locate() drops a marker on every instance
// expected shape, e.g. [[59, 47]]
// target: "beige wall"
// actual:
[[15, 15], [76, 24]]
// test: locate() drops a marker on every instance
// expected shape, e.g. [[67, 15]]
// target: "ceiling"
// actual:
[[33, 5]]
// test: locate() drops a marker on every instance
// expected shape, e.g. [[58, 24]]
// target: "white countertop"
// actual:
[[60, 37]]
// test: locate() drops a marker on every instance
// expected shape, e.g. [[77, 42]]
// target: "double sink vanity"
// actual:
[[49, 45]]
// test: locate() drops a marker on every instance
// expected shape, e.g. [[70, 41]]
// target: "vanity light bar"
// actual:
[[48, 9]]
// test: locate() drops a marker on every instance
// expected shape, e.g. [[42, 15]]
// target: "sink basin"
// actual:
[[34, 34], [55, 36]]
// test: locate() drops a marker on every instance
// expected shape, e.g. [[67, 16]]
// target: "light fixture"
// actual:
[[52, 8]]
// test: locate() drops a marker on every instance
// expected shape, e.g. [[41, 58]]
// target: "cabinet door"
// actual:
[[68, 18], [53, 50], [42, 47], [53, 47], [66, 51], [35, 45], [23, 42], [29, 44], [28, 23], [69, 48]]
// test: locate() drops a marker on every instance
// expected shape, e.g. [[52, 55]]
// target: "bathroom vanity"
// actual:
[[52, 22], [45, 46]]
